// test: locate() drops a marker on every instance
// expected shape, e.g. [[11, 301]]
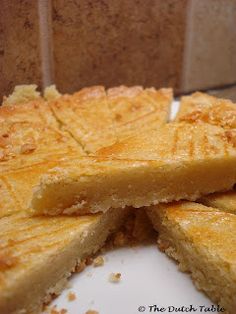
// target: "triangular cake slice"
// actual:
[[201, 107], [29, 133], [98, 118], [225, 201], [177, 161], [134, 109], [86, 115], [205, 108], [38, 254], [203, 241]]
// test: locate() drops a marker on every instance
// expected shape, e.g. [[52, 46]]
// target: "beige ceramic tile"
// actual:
[[210, 44], [117, 42], [228, 93], [19, 48]]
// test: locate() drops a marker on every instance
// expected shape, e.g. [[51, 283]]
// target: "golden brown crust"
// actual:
[[170, 142], [124, 91], [86, 116], [205, 108], [31, 129], [134, 109], [97, 118]]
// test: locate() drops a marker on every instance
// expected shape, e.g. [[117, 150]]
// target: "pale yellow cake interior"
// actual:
[[177, 161]]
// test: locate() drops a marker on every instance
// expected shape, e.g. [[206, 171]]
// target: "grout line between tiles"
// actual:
[[45, 32]]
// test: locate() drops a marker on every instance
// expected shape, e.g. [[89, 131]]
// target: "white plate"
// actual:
[[148, 278]]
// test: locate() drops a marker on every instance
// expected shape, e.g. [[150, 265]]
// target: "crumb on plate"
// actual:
[[71, 296], [55, 311], [115, 277], [98, 261], [92, 312]]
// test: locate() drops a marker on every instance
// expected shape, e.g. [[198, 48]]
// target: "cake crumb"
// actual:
[[55, 311], [89, 275], [98, 261], [22, 94], [115, 277], [51, 93], [80, 267], [89, 261], [71, 296], [92, 312]]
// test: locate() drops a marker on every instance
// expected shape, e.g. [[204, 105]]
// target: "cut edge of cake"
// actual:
[[178, 161]]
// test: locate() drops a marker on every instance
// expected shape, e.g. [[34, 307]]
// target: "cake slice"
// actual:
[[205, 108], [38, 254], [225, 201], [177, 161], [200, 107], [29, 132], [86, 115], [97, 118], [134, 109], [203, 241]]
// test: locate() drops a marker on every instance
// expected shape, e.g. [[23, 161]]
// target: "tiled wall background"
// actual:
[[187, 44]]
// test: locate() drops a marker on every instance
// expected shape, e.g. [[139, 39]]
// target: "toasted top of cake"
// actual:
[[134, 108], [86, 116], [30, 132], [24, 238], [18, 179], [173, 142], [98, 118], [206, 108]]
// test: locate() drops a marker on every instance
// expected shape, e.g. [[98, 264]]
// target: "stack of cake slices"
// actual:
[[74, 167]]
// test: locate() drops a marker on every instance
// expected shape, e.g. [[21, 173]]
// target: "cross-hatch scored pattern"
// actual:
[[35, 235], [202, 107], [173, 141], [97, 118], [29, 135], [30, 132]]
